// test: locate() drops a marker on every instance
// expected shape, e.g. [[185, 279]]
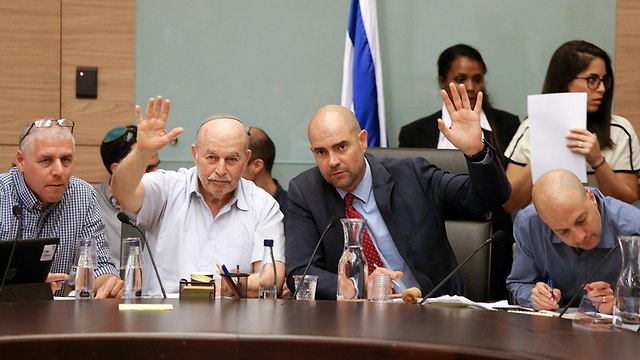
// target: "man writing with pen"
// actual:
[[562, 238]]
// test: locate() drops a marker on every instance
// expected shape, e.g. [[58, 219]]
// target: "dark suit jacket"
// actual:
[[412, 196], [424, 133]]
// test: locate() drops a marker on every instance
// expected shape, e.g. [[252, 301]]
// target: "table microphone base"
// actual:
[[26, 292]]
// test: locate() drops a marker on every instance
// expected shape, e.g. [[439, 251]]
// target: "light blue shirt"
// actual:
[[540, 254], [365, 204]]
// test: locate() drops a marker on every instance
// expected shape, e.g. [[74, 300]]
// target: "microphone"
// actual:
[[497, 236], [127, 220], [589, 278], [332, 222], [17, 213]]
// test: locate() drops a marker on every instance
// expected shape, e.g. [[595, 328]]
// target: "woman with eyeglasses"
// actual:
[[609, 144]]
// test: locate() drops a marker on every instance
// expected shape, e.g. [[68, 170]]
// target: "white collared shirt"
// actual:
[[185, 237], [444, 143]]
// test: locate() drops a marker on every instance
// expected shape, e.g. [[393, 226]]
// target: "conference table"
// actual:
[[275, 329]]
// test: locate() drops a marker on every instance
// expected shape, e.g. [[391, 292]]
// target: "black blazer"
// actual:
[[412, 196], [424, 133]]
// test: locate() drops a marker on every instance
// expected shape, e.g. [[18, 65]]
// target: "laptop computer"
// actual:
[[31, 261]]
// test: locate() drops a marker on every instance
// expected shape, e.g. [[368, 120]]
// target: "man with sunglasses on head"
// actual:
[[116, 144], [204, 215], [55, 204]]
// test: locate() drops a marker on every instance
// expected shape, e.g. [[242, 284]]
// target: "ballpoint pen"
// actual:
[[230, 283], [550, 283]]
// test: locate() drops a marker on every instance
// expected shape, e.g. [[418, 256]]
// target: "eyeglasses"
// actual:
[[129, 133], [593, 81], [45, 123]]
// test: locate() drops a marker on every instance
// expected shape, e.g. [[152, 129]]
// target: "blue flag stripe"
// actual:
[[364, 92]]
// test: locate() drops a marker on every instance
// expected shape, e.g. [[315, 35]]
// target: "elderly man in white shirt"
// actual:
[[201, 216]]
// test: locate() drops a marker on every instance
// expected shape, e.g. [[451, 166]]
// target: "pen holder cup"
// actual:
[[234, 285]]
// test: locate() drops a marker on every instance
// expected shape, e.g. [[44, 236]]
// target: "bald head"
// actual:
[[334, 117], [568, 209], [223, 128], [338, 146], [555, 188]]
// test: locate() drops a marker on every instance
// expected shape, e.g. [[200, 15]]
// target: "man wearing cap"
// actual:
[[117, 143]]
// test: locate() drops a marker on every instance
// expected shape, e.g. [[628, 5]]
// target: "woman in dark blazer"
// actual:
[[463, 64]]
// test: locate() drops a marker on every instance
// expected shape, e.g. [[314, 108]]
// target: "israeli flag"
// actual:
[[362, 72]]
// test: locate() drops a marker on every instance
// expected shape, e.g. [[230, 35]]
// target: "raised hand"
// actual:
[[465, 132], [152, 129]]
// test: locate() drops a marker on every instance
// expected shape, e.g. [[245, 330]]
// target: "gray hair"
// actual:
[[53, 133]]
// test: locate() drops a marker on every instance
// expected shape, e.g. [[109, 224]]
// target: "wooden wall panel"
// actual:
[[29, 68], [627, 93], [97, 33]]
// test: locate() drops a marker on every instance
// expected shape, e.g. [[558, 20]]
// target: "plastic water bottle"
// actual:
[[268, 274], [84, 273], [133, 271]]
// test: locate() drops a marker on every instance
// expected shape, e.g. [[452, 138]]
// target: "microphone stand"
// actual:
[[495, 237], [333, 221], [17, 213], [125, 219], [589, 278]]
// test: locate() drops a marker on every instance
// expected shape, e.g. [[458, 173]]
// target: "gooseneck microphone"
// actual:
[[127, 220], [589, 278], [17, 213], [332, 222], [497, 236]]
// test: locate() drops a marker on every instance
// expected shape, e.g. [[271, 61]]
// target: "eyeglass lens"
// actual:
[[594, 82]]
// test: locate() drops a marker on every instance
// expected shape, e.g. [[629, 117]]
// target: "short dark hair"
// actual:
[[566, 63], [116, 144], [453, 52], [261, 147]]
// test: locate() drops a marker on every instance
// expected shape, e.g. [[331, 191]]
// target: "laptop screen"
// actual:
[[31, 261]]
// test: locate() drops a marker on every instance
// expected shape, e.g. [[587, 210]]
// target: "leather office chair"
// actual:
[[465, 235]]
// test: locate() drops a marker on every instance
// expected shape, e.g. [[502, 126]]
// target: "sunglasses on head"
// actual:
[[46, 123]]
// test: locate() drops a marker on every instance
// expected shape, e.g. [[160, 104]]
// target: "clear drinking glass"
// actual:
[[588, 317], [381, 288], [307, 287]]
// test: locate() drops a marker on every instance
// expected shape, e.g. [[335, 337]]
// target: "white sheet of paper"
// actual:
[[551, 116]]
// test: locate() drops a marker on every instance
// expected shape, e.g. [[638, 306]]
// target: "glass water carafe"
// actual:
[[626, 309], [352, 268]]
